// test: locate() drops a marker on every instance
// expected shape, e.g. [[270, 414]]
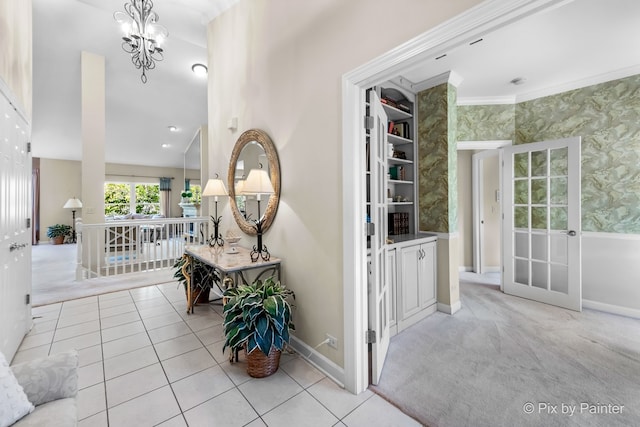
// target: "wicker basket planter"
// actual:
[[259, 365], [257, 318]]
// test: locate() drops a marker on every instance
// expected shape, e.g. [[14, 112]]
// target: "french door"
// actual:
[[379, 292], [542, 223]]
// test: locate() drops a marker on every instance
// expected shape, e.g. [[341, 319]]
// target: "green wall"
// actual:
[[486, 122], [607, 117], [437, 159]]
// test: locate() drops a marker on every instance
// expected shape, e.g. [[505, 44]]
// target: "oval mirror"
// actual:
[[253, 150]]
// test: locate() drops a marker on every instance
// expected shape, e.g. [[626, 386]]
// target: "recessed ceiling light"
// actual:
[[173, 128], [166, 145], [199, 69], [518, 81]]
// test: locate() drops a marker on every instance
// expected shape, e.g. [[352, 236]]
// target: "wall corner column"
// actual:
[[437, 184]]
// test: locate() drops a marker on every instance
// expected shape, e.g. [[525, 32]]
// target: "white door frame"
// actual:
[[475, 22]]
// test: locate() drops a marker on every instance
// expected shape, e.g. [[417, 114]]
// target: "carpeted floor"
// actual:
[[53, 276], [507, 361]]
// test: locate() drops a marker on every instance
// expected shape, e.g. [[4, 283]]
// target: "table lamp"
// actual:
[[258, 183], [215, 187], [73, 204]]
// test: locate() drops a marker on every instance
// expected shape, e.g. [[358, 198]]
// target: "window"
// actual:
[[121, 198]]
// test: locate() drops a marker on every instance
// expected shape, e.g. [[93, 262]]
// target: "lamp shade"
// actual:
[[240, 187], [258, 182], [215, 187], [73, 203]]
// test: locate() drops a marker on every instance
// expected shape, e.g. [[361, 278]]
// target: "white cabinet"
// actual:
[[411, 277], [416, 284]]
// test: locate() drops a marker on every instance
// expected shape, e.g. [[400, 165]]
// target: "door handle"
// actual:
[[571, 233], [15, 246]]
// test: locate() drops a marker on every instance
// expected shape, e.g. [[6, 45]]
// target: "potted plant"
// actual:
[[58, 232], [186, 196], [257, 317], [202, 277]]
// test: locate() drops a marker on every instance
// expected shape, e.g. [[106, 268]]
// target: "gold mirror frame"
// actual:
[[263, 139]]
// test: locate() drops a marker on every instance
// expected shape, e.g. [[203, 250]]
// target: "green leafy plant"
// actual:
[[200, 273], [58, 230], [258, 316]]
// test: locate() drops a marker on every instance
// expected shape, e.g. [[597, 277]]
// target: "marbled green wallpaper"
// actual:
[[486, 122], [607, 117], [437, 159]]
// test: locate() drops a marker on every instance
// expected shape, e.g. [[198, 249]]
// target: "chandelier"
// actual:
[[142, 34]]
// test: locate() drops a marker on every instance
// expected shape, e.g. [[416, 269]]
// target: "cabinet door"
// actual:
[[410, 293], [392, 280], [427, 274]]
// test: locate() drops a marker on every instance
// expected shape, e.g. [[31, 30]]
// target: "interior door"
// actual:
[[379, 297], [15, 234], [542, 223]]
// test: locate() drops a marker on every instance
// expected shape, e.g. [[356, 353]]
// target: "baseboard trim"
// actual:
[[465, 269], [612, 309], [450, 309], [311, 355]]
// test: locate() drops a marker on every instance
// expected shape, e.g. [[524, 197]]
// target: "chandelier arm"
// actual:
[[143, 36]]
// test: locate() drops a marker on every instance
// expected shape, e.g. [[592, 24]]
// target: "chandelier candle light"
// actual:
[[215, 187], [142, 34], [258, 183]]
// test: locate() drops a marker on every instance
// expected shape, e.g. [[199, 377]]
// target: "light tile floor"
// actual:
[[145, 362]]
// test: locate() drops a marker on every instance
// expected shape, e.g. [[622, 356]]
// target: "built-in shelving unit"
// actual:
[[398, 104]]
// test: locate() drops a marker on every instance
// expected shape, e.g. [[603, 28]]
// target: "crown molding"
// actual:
[[554, 90], [448, 77], [579, 84]]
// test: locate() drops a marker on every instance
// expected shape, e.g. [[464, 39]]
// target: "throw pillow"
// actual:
[[13, 401], [49, 378]]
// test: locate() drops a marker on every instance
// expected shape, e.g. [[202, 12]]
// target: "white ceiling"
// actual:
[[583, 42], [580, 43], [137, 115]]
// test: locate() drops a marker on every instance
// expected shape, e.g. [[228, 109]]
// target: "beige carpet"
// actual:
[[53, 276], [501, 357]]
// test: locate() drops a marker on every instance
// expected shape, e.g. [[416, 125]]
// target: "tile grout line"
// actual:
[[104, 373], [160, 361]]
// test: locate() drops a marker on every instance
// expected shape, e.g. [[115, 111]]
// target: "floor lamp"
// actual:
[[215, 187], [73, 204], [258, 183]]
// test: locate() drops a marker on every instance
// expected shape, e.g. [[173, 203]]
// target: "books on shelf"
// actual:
[[398, 223]]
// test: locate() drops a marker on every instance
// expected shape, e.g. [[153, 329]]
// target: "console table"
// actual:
[[231, 266]]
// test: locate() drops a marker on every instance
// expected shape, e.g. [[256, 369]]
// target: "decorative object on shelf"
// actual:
[[58, 232], [73, 204], [397, 154], [215, 187], [258, 183], [232, 238], [142, 35], [257, 317]]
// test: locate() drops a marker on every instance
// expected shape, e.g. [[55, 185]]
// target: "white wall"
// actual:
[[491, 213], [465, 209], [611, 272], [16, 50], [277, 65], [59, 181]]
